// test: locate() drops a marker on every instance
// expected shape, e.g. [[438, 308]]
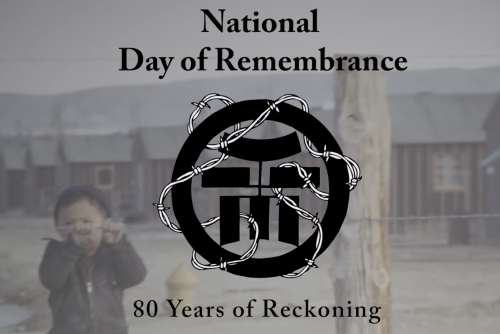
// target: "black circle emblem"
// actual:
[[302, 122]]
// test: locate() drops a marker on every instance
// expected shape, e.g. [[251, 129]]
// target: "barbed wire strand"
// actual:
[[353, 171], [414, 218], [215, 219], [223, 264]]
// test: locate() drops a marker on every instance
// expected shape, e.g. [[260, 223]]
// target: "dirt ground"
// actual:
[[436, 288]]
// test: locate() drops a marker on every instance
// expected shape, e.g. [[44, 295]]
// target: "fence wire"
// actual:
[[421, 218], [37, 223]]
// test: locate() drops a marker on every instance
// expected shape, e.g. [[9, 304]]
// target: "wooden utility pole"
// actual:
[[361, 270]]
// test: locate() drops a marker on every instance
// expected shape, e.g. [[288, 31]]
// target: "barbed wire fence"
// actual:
[[443, 231], [45, 223], [461, 229]]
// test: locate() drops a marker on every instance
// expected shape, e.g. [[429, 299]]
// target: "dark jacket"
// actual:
[[87, 297]]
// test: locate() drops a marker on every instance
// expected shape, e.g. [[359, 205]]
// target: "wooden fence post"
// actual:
[[361, 269]]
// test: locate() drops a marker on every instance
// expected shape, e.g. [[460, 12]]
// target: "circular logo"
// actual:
[[337, 199]]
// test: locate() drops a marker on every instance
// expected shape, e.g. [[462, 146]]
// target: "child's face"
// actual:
[[84, 222]]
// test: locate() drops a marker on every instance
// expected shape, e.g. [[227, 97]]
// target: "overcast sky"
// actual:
[[34, 34]]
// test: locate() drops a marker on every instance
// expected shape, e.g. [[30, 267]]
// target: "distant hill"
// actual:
[[120, 108]]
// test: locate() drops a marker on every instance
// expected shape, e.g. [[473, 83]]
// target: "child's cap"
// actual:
[[87, 189]]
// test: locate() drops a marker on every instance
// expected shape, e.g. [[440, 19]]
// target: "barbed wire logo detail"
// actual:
[[298, 261]]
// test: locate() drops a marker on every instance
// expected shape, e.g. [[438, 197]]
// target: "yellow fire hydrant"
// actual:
[[180, 285]]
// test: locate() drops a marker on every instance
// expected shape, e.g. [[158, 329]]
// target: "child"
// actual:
[[90, 268]]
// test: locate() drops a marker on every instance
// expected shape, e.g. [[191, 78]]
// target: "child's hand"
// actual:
[[82, 234], [113, 232], [65, 231]]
